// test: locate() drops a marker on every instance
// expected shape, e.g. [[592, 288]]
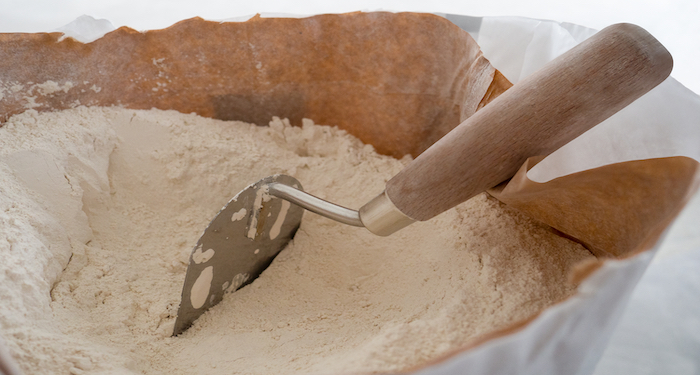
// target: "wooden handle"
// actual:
[[551, 107]]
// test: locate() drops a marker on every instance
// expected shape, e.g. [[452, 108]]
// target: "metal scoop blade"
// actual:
[[236, 247]]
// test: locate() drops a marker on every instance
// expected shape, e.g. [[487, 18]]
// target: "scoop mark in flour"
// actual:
[[201, 287], [239, 215], [200, 257], [277, 226]]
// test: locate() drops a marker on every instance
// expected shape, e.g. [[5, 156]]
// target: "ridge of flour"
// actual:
[[101, 207]]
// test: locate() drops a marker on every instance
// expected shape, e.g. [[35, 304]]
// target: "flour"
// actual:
[[100, 209]]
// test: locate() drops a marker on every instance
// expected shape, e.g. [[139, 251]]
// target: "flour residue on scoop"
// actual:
[[201, 287], [94, 255]]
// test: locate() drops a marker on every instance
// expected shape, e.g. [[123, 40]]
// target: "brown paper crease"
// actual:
[[614, 210]]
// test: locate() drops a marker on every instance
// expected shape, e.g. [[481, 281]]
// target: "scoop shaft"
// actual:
[[538, 115]]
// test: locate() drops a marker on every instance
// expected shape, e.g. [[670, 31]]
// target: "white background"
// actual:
[[660, 331]]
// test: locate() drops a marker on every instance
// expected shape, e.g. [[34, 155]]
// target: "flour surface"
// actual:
[[100, 208]]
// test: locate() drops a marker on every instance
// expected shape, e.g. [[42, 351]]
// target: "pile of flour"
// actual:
[[100, 209]]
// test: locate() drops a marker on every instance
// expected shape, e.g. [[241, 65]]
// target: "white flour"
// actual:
[[100, 209]]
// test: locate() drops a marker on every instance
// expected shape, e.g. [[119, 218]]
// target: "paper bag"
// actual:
[[400, 82]]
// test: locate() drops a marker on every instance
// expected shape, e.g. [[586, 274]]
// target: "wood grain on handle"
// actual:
[[538, 115]]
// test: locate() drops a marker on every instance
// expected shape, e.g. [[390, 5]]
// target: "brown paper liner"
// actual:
[[612, 210], [396, 81]]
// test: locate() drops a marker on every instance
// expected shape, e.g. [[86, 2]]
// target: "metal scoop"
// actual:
[[536, 116]]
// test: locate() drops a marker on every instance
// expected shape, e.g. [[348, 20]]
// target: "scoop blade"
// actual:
[[238, 245]]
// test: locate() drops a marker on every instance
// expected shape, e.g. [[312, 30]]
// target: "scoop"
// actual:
[[538, 115]]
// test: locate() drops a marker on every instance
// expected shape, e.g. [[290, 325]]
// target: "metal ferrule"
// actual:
[[379, 215], [382, 217]]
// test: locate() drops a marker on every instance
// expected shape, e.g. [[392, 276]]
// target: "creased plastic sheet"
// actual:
[[660, 124], [659, 332]]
